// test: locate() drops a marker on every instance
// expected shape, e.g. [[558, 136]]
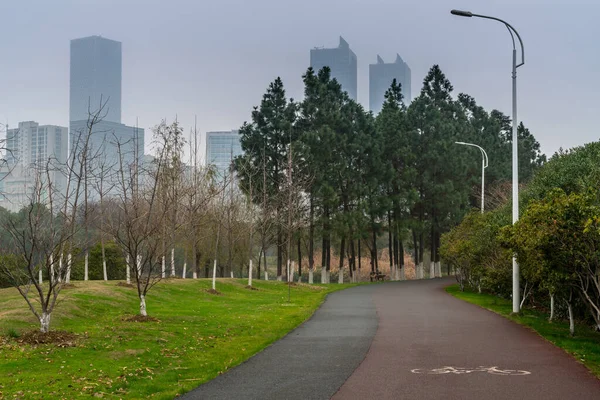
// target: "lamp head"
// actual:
[[461, 13]]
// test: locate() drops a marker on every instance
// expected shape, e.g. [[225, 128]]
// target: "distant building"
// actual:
[[221, 148], [34, 153], [96, 68], [381, 76], [343, 64], [95, 76]]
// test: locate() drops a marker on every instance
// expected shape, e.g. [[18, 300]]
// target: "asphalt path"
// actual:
[[312, 361], [405, 340]]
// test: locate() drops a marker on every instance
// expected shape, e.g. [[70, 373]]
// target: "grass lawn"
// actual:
[[197, 337], [585, 346]]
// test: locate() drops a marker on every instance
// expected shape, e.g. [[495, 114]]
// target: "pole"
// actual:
[[482, 182], [515, 182]]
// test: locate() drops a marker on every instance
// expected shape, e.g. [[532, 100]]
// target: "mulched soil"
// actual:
[[123, 284], [58, 338], [69, 286], [250, 287], [140, 318], [213, 291]]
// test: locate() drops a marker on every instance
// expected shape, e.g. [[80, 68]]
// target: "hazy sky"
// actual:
[[215, 58]]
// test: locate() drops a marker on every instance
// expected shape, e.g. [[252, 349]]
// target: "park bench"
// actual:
[[377, 276]]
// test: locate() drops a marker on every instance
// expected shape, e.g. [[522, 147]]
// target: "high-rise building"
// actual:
[[381, 76], [342, 62], [34, 154], [96, 65], [221, 149], [95, 78]]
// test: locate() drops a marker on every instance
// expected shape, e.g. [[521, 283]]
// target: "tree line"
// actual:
[[349, 177]]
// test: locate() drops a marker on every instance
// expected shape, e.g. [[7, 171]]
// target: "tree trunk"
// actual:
[[214, 276], [195, 261], [173, 262], [266, 269], [163, 267], [127, 270], [279, 253], [311, 240], [143, 312], [571, 319], [310, 277], [299, 256], [45, 322], [184, 272], [69, 264], [104, 269], [551, 307], [85, 267], [40, 278], [342, 255], [250, 273]]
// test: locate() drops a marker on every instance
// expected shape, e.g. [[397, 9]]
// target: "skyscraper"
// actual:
[[95, 75], [96, 65], [342, 62], [381, 76], [221, 148], [34, 153]]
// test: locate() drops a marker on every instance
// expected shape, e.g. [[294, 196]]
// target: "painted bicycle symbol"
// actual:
[[461, 371]]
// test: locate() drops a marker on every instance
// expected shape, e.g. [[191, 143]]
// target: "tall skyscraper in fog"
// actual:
[[95, 75], [96, 66], [381, 76], [342, 62]]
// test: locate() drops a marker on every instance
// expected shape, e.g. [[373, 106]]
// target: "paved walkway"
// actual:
[[405, 329]]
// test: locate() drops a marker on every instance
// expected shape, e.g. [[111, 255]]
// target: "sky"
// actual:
[[211, 60]]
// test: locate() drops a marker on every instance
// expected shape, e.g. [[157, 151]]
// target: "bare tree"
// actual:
[[137, 223], [46, 228]]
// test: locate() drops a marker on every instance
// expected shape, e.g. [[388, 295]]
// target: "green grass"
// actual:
[[198, 336], [585, 346]]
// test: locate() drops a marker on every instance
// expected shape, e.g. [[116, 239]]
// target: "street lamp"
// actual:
[[484, 165], [515, 163]]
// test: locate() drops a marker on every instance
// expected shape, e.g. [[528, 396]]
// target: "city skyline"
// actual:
[[174, 68]]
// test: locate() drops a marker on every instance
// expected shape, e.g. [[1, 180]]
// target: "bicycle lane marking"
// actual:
[[460, 371]]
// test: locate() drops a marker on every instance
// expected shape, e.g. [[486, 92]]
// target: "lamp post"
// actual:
[[515, 164], [484, 165]]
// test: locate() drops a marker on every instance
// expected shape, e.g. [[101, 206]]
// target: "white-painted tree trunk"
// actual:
[[143, 311], [69, 264], [45, 322], [266, 275], [402, 274], [127, 270], [292, 271], [214, 277], [86, 267], [571, 319], [173, 262], [420, 271], [310, 277], [341, 276], [551, 307], [60, 268], [431, 270], [250, 274], [438, 266], [195, 275], [52, 274], [40, 279], [163, 267], [139, 265], [232, 275], [184, 272], [104, 269]]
